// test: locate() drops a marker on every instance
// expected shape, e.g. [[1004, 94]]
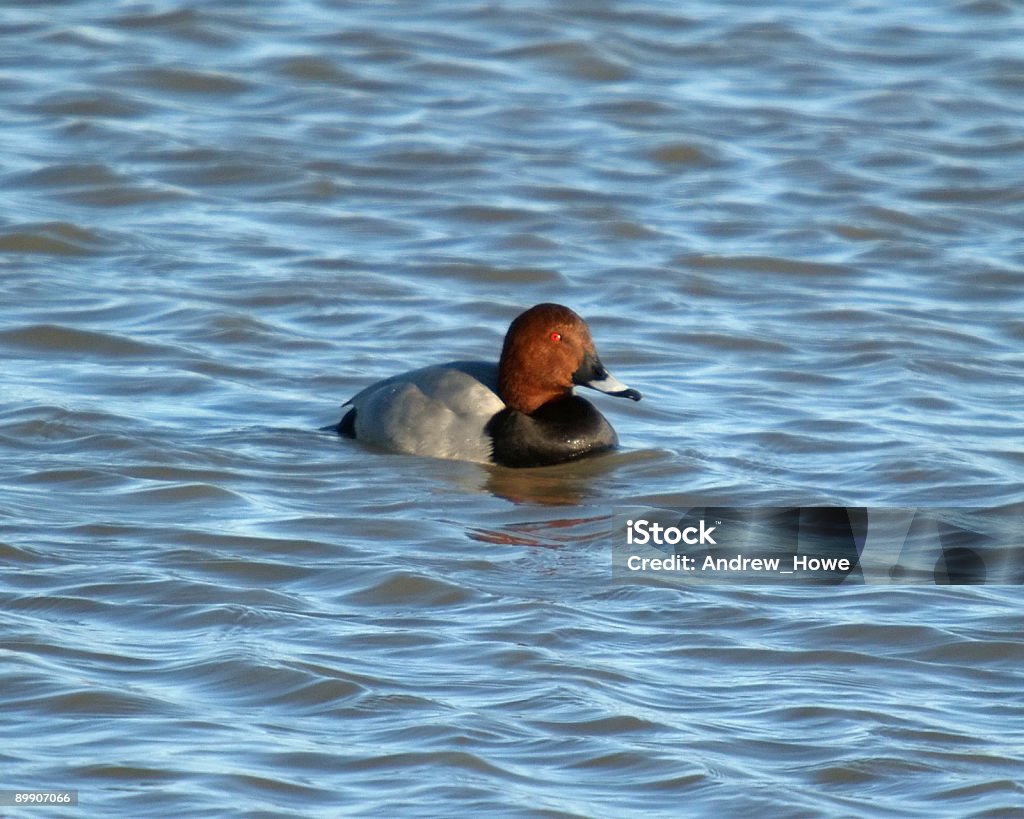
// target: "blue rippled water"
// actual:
[[795, 227]]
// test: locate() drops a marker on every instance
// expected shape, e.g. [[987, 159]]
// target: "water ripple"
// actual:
[[794, 227]]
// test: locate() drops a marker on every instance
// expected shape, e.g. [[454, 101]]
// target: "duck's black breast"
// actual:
[[558, 431]]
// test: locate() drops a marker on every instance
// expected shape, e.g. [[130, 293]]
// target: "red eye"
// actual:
[[556, 336]]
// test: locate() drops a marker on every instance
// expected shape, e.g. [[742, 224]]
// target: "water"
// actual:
[[795, 227]]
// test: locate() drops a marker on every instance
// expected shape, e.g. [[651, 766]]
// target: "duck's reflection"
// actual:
[[562, 485], [550, 534]]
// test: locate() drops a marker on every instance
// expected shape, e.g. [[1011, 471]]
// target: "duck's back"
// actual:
[[440, 411]]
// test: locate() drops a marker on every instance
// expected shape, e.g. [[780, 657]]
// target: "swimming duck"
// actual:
[[519, 412]]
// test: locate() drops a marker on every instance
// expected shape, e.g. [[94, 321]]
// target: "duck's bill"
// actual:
[[593, 374], [611, 385]]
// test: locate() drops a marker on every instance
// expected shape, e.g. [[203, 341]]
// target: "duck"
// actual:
[[519, 412]]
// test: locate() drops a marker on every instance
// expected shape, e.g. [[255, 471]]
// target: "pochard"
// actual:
[[519, 412]]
